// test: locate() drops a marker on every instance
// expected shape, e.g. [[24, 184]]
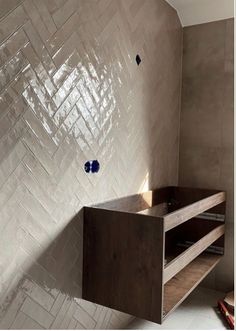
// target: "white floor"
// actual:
[[197, 312]]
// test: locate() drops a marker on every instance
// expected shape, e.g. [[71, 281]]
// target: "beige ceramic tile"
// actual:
[[37, 313], [71, 91], [64, 12], [12, 45], [12, 22], [45, 16], [33, 13]]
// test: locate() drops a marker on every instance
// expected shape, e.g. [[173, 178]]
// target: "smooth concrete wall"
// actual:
[[207, 119]]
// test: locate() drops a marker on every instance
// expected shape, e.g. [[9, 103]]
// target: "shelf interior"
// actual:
[[180, 238], [182, 284], [177, 205]]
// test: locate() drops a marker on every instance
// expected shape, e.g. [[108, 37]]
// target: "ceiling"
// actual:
[[193, 12]]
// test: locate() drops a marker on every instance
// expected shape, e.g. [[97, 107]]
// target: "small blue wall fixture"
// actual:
[[138, 59], [92, 166]]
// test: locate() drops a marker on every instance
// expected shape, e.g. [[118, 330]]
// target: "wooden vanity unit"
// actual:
[[145, 253]]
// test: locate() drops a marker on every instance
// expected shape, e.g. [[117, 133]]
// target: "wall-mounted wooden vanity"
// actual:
[[145, 253]]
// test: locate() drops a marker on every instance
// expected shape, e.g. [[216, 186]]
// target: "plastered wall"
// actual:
[[207, 119]]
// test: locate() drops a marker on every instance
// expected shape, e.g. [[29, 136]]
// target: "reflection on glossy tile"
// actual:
[[71, 91]]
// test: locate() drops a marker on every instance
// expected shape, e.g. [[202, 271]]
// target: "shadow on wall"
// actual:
[[54, 276], [59, 268], [54, 281]]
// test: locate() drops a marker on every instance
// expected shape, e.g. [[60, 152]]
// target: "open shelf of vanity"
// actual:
[[144, 254]]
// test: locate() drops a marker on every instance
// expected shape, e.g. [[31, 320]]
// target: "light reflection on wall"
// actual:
[[144, 187]]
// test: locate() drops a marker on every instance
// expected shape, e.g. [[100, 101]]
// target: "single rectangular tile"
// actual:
[[61, 35], [30, 324], [63, 13], [12, 22], [12, 311], [11, 162], [12, 46], [7, 6], [40, 90], [39, 131], [66, 107], [61, 313], [68, 317], [84, 318], [39, 47], [38, 294], [45, 16], [57, 304], [30, 140], [37, 313], [36, 20], [65, 69], [72, 324], [19, 321], [100, 318]]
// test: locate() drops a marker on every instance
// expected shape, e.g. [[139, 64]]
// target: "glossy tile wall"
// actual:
[[71, 91], [207, 116]]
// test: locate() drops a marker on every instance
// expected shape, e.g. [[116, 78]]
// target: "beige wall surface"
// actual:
[[71, 91], [206, 138]]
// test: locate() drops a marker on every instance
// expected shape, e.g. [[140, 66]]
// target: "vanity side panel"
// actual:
[[123, 262]]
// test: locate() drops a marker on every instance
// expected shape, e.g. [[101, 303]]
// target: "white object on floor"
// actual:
[[198, 312]]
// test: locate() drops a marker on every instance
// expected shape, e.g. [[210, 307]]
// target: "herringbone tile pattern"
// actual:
[[70, 91]]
